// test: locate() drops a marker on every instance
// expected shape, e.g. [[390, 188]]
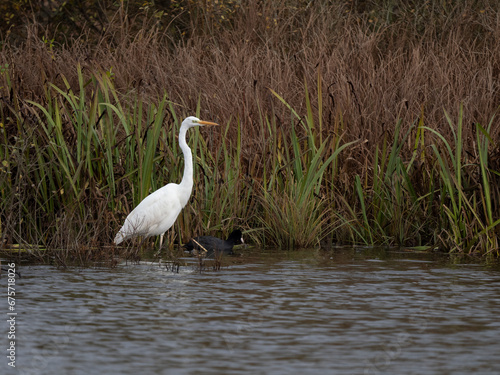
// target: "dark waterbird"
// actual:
[[211, 244]]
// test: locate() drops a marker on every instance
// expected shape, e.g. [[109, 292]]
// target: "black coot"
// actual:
[[214, 244]]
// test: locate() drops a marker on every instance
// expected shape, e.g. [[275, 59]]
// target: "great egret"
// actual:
[[159, 210], [214, 244]]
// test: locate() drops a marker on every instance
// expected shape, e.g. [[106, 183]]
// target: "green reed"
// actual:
[[398, 205], [295, 208], [385, 204], [465, 201]]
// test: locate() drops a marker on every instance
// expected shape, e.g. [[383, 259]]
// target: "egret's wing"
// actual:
[[153, 216]]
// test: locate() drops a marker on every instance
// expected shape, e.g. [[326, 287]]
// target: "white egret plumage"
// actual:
[[159, 210]]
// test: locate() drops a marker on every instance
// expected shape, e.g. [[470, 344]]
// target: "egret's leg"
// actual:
[[161, 243]]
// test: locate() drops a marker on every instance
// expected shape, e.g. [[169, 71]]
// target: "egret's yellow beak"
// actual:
[[208, 123]]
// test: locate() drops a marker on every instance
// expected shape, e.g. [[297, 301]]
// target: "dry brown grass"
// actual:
[[372, 77]]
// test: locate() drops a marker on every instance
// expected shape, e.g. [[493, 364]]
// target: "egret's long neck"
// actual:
[[187, 179]]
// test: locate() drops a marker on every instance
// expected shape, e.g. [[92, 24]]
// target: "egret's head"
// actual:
[[194, 121]]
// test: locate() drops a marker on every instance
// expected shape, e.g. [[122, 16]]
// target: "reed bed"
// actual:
[[342, 123]]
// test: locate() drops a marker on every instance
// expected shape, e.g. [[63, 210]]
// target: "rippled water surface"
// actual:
[[341, 312]]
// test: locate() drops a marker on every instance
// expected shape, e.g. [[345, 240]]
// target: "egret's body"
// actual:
[[159, 210]]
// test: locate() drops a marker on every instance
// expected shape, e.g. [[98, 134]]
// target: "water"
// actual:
[[343, 312]]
